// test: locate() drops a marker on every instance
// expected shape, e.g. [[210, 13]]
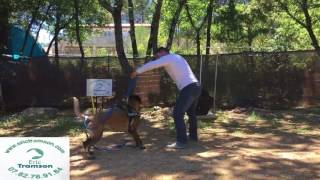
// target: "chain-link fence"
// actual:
[[274, 80], [259, 79]]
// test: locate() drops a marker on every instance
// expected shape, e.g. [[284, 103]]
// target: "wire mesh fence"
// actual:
[[273, 80]]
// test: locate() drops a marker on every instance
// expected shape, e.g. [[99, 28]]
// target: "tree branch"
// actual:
[[198, 28], [174, 23], [106, 4], [285, 7], [203, 22], [55, 36], [190, 17]]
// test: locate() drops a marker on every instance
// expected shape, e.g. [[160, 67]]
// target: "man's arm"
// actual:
[[161, 62]]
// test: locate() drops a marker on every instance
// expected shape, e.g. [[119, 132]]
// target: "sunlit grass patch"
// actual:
[[253, 117], [42, 125], [304, 129], [222, 116]]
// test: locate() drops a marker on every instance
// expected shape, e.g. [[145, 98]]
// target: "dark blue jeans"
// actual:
[[187, 102]]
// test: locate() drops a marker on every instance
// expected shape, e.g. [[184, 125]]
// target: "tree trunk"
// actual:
[[25, 39], [314, 40], [36, 39], [153, 38], [38, 32], [116, 14], [56, 51], [76, 8], [33, 18], [132, 31], [208, 38], [309, 27], [56, 34], [4, 26], [209, 14], [198, 35], [307, 24], [174, 23], [250, 37], [126, 68], [56, 40], [50, 45], [198, 41]]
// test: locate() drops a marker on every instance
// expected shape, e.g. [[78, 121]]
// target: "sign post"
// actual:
[[99, 88]]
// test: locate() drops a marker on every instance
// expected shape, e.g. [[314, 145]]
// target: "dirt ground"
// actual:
[[240, 144], [237, 144]]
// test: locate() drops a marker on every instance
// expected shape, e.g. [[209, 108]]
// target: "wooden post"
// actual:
[[93, 107]]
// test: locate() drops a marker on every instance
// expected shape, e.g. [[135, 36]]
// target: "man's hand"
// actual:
[[133, 75]]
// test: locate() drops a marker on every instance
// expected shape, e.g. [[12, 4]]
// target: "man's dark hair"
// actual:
[[162, 49]]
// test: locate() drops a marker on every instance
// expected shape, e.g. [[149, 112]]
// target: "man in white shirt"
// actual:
[[189, 88]]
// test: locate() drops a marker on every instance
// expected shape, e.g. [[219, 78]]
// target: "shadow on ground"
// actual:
[[225, 152], [272, 145]]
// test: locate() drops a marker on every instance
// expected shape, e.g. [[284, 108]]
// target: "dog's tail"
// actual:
[[76, 107]]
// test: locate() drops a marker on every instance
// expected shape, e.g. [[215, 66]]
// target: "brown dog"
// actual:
[[115, 118]]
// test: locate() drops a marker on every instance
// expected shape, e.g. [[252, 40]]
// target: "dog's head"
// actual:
[[135, 102]]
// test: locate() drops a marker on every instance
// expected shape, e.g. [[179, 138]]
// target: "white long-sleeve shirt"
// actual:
[[176, 66]]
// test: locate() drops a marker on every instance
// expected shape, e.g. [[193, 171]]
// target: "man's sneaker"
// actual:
[[176, 145]]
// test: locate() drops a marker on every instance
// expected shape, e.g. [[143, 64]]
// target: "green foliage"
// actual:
[[238, 25], [287, 33], [259, 24], [229, 27], [91, 15], [142, 35], [184, 41], [167, 13]]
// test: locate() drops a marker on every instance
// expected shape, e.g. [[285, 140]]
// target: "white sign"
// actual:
[[34, 158], [99, 87]]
